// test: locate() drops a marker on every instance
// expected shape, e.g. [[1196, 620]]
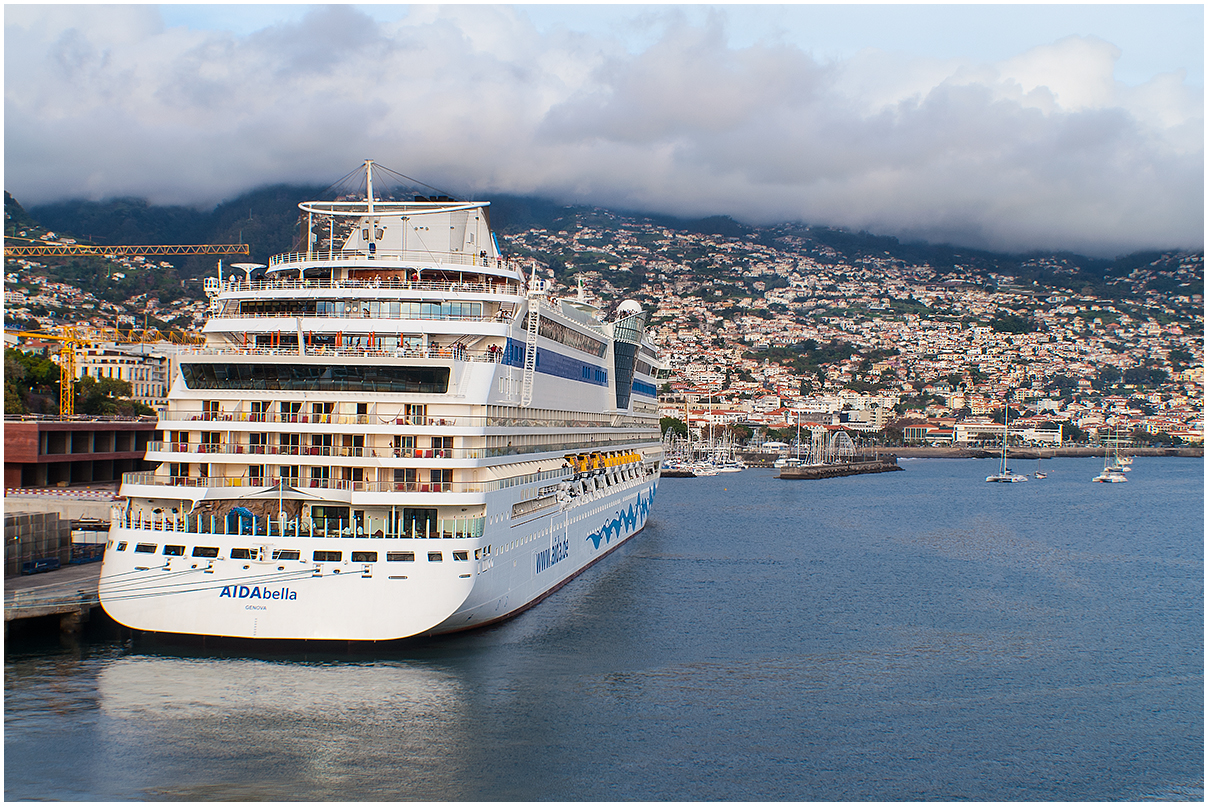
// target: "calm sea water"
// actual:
[[918, 635]]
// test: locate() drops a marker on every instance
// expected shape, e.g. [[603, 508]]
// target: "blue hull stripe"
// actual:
[[557, 364]]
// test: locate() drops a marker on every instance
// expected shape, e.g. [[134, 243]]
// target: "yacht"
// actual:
[[391, 432], [1005, 473]]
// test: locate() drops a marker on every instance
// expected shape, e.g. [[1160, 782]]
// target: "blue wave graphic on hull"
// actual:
[[626, 521]]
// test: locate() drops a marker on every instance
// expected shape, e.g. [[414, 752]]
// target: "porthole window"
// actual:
[[241, 554], [435, 557], [170, 549], [326, 555], [121, 546], [286, 554], [149, 548], [364, 557], [461, 554], [205, 552], [397, 556]]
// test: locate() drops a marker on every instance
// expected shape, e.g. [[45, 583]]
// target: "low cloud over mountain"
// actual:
[[1042, 150]]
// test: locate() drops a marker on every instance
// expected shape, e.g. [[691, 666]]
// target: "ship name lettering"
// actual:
[[257, 593], [548, 557]]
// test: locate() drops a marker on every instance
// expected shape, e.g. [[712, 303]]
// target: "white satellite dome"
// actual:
[[628, 308]]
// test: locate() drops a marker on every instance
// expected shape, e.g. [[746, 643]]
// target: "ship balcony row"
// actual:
[[492, 354], [172, 417], [423, 260], [360, 312], [386, 451], [172, 451], [149, 484]]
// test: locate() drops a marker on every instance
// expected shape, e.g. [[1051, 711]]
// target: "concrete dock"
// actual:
[[69, 592]]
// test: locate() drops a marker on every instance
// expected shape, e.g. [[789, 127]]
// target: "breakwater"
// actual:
[[841, 469]]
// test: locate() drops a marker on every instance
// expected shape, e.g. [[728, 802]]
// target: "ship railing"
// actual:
[[362, 315], [151, 479], [463, 421], [457, 354], [226, 525], [249, 451], [426, 260], [268, 449]]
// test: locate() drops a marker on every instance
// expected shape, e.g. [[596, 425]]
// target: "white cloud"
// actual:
[[1044, 149]]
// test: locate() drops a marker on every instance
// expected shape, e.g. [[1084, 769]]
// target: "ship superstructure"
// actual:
[[392, 432]]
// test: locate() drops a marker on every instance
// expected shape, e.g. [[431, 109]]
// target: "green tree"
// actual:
[[14, 372], [1107, 377], [675, 424], [1071, 433], [1013, 323], [31, 383], [106, 396], [1179, 358], [742, 433]]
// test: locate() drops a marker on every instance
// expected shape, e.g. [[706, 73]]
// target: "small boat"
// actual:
[[1113, 472], [1039, 474], [1109, 475], [1005, 473]]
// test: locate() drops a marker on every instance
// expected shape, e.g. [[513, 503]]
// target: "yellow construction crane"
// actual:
[[74, 337], [21, 251]]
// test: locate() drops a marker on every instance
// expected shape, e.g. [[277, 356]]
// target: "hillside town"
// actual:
[[769, 330], [932, 357]]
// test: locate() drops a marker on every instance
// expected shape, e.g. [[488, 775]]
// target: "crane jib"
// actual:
[[16, 251]]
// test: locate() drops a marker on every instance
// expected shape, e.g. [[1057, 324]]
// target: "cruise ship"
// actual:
[[394, 432]]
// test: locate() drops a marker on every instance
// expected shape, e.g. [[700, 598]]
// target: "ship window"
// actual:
[[121, 546], [205, 552], [322, 554], [435, 557], [393, 556], [145, 548], [420, 522], [364, 557], [286, 554], [241, 554], [314, 377], [461, 554], [172, 549]]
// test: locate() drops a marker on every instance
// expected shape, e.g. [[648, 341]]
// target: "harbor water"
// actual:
[[910, 636]]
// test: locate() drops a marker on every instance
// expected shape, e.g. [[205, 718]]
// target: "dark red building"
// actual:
[[56, 453]]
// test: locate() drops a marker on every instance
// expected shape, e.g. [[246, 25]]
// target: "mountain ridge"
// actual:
[[270, 227]]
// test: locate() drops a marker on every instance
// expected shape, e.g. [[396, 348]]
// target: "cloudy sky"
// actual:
[[1009, 127]]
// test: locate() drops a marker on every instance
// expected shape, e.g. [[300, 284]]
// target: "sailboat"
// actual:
[[1039, 474], [1119, 464], [1111, 472], [1005, 473]]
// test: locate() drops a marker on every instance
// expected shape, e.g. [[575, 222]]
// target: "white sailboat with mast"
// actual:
[[1005, 473]]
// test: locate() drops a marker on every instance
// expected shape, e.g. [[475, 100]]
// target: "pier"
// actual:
[[69, 593], [839, 469]]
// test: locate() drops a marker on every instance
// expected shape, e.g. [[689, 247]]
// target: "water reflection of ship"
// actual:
[[330, 719]]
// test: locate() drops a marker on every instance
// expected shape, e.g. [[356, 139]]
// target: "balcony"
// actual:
[[380, 259], [378, 452], [246, 484]]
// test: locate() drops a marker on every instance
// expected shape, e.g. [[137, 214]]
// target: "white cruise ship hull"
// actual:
[[519, 562]]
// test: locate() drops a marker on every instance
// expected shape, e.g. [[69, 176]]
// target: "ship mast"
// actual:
[[369, 185]]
